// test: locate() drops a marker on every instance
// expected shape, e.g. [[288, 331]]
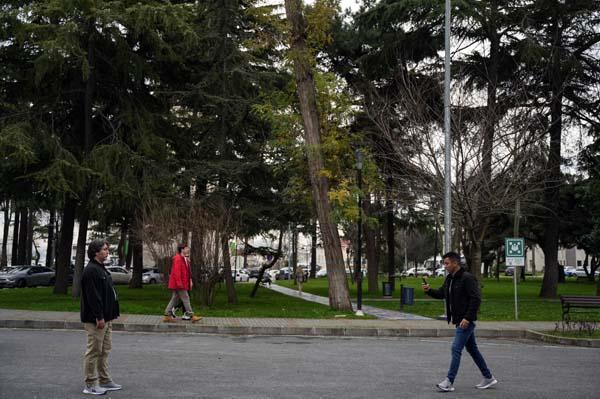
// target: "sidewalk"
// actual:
[[383, 314], [273, 326]]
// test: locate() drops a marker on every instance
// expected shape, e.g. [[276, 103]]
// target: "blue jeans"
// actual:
[[466, 339]]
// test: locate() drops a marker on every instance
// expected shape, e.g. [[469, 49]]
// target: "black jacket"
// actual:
[[98, 297], [462, 295]]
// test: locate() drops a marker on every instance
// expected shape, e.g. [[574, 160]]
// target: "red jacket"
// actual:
[[180, 274]]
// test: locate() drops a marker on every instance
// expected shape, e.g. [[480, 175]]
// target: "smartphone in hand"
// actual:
[[424, 281]]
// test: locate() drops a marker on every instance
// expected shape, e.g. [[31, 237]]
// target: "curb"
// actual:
[[553, 339], [267, 331]]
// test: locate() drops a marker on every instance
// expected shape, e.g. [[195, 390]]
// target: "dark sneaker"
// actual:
[[486, 383], [94, 390], [445, 386], [111, 386]]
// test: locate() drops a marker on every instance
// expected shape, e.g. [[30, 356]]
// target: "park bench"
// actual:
[[577, 301]]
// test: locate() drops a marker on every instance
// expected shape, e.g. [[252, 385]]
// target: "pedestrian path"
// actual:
[[336, 327], [383, 314]]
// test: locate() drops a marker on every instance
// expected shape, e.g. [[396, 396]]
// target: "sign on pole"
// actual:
[[514, 249]]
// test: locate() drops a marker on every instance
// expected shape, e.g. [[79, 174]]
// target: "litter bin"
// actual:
[[407, 296], [387, 289]]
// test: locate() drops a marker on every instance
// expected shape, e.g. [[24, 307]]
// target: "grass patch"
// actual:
[[497, 298], [575, 334], [152, 299]]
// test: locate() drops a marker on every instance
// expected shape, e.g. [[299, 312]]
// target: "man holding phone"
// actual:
[[461, 291]]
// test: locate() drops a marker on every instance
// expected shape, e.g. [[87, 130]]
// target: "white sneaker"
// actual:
[[445, 386], [94, 390], [486, 383]]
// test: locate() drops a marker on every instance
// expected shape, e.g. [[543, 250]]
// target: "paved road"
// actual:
[[47, 364]]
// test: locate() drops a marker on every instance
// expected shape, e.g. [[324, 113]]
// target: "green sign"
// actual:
[[514, 251], [515, 248]]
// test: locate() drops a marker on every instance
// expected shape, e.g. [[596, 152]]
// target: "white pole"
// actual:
[[448, 137]]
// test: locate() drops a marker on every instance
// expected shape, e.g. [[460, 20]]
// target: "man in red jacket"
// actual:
[[180, 282]]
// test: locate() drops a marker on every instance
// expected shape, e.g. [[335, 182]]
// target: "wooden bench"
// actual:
[[578, 301]]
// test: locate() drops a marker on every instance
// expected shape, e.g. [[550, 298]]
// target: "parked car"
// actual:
[[580, 272], [240, 276], [440, 272], [273, 274], [254, 273], [570, 271], [322, 273], [119, 274], [510, 271], [27, 276], [284, 274], [421, 271], [152, 276]]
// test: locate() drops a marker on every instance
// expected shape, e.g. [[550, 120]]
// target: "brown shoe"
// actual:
[[168, 319], [191, 318]]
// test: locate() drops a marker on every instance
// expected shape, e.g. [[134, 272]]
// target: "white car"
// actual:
[[421, 271], [240, 276], [440, 272], [322, 273], [119, 274], [580, 272], [152, 276], [273, 273]]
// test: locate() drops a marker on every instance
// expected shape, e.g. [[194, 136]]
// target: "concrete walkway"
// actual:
[[272, 326], [383, 314]]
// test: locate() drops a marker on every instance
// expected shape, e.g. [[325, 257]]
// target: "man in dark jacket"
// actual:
[[461, 291], [99, 306]]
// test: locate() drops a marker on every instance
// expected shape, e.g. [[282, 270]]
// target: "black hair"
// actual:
[[452, 256], [180, 247], [95, 247]]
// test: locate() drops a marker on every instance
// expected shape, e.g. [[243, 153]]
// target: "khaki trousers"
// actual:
[[95, 361]]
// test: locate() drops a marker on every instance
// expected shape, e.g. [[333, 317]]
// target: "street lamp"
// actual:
[[359, 166]]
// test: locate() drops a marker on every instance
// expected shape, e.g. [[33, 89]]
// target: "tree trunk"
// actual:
[[22, 251], [7, 217], [229, 282], [50, 250], [65, 247], [137, 250], [476, 259], [371, 251], [14, 254], [391, 239], [80, 252], [294, 253], [553, 175], [129, 253], [122, 246], [595, 261], [245, 253], [29, 243], [533, 260], [313, 251], [339, 298]]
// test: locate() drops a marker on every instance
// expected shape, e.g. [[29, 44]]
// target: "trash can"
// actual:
[[387, 289], [407, 296]]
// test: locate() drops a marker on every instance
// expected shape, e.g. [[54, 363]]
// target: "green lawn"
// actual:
[[153, 299], [498, 298], [576, 334]]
